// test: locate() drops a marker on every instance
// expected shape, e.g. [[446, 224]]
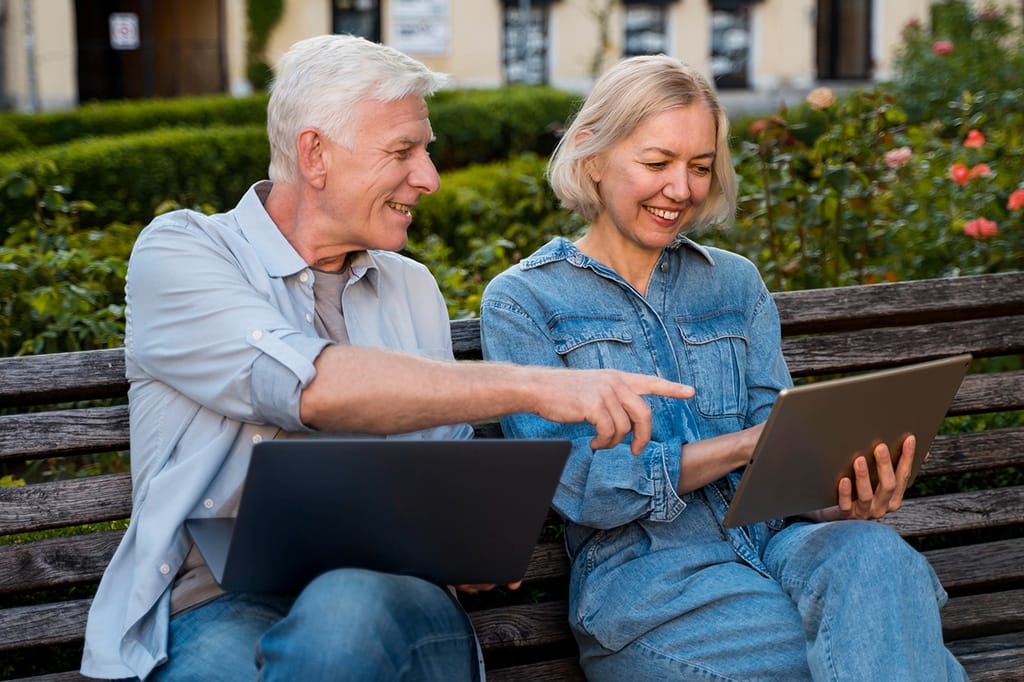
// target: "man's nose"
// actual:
[[424, 176]]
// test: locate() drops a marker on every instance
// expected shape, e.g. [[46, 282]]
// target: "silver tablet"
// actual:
[[816, 430]]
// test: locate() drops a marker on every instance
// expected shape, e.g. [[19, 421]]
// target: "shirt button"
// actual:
[[664, 266], [257, 438], [309, 317], [304, 277], [164, 569], [208, 503], [257, 335]]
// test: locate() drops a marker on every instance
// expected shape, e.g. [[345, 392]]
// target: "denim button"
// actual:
[[664, 266]]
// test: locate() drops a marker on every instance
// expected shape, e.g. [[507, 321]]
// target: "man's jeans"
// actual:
[[348, 624]]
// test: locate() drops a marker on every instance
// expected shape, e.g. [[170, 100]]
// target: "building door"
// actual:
[[131, 49], [844, 40]]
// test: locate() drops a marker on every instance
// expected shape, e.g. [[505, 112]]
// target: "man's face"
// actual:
[[371, 189]]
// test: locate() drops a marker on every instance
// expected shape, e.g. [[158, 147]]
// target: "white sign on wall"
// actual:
[[420, 26], [124, 31]]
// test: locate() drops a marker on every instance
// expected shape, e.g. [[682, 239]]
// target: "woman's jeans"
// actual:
[[847, 601], [348, 624]]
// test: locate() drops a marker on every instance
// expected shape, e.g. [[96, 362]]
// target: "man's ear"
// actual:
[[310, 148]]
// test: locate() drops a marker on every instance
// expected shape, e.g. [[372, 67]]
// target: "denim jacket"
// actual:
[[706, 320]]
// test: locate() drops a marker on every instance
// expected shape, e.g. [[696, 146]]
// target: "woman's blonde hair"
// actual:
[[622, 98]]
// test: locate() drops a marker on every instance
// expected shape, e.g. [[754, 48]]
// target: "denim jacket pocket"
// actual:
[[593, 340], [715, 346]]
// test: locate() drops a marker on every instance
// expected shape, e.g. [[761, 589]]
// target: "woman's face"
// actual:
[[653, 182]]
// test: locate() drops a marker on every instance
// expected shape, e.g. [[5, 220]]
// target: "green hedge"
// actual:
[[129, 176], [117, 118]]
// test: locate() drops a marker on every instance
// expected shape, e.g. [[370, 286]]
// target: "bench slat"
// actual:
[[963, 452], [65, 503], [979, 615], [873, 349], [521, 626], [64, 432], [902, 303], [999, 658], [82, 375], [43, 624], [558, 670], [56, 562], [959, 512], [985, 565]]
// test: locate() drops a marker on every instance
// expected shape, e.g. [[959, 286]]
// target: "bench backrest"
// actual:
[[72, 404]]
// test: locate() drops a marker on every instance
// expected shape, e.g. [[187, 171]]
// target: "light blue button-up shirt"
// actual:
[[220, 342]]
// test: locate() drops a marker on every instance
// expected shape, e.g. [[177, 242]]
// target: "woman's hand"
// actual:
[[885, 497]]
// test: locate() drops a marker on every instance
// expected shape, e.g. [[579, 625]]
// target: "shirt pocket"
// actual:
[[715, 350], [594, 340]]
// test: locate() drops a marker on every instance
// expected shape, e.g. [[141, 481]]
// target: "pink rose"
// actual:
[[1016, 201], [894, 158], [758, 127], [821, 98], [981, 170], [980, 228], [959, 173], [975, 139], [942, 48]]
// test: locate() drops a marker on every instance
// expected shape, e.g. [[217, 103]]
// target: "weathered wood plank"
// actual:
[[986, 565], [56, 562], [65, 503], [963, 452], [999, 658], [959, 512], [60, 377], [59, 433], [43, 624], [559, 670], [900, 303], [873, 349], [522, 626], [979, 615]]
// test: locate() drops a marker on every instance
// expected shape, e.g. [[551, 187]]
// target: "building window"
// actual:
[[358, 18], [730, 44], [645, 30], [526, 55]]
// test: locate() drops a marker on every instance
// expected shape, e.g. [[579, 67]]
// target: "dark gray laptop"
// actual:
[[462, 511], [816, 430]]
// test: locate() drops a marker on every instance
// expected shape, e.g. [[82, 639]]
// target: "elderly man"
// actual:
[[288, 316]]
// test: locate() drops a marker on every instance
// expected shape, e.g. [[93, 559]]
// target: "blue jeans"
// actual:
[[848, 601], [348, 624]]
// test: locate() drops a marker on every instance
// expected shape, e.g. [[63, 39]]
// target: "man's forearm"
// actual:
[[371, 390]]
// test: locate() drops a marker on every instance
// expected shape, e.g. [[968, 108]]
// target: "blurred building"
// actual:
[[59, 53]]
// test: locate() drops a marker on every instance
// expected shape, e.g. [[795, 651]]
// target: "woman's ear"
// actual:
[[592, 167], [310, 148]]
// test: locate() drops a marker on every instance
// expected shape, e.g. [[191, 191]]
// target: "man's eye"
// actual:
[[656, 165], [404, 153]]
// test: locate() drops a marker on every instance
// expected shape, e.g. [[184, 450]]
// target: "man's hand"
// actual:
[[609, 399], [886, 497]]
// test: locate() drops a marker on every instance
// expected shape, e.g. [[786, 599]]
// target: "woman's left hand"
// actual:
[[885, 497]]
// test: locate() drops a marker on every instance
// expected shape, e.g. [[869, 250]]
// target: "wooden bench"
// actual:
[[65, 405]]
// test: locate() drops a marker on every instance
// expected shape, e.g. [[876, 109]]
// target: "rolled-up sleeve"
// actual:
[[209, 322]]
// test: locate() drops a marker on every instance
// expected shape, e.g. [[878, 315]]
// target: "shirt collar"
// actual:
[[277, 254], [561, 248]]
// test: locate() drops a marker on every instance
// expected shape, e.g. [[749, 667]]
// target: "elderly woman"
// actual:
[[660, 588]]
